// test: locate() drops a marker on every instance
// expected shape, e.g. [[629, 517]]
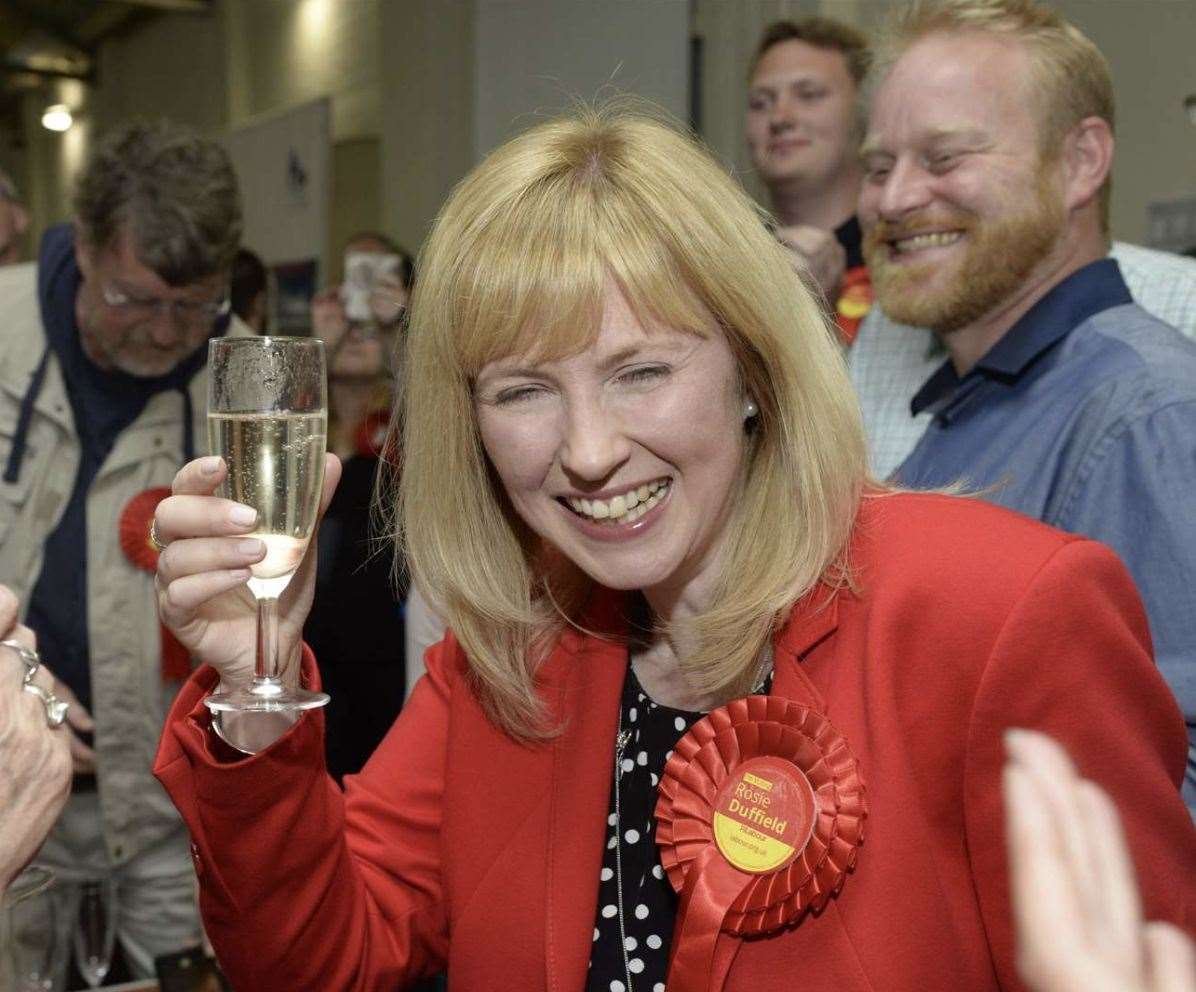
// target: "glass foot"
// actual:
[[265, 696]]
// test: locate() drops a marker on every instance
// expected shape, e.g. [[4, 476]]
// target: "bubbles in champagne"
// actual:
[[276, 465]]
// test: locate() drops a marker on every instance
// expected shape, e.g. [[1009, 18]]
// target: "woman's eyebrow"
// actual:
[[508, 372]]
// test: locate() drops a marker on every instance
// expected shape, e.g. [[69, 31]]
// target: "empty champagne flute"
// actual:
[[95, 929], [33, 955], [268, 420]]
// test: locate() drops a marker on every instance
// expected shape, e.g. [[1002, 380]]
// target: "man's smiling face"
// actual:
[[958, 205]]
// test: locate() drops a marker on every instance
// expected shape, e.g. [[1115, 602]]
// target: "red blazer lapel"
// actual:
[[813, 619]]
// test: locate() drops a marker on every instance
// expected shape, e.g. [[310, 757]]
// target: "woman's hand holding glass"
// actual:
[[202, 571]]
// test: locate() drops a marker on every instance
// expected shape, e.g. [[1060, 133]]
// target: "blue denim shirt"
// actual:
[[1084, 416]]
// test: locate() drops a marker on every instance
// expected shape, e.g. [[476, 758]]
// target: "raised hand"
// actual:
[[1077, 915], [205, 564]]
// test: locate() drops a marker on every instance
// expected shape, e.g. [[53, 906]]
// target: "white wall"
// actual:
[[287, 52], [458, 78], [427, 109], [171, 67], [535, 57], [1151, 48]]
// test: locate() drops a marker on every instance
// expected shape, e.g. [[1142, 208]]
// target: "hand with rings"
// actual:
[[35, 749], [58, 701], [56, 709]]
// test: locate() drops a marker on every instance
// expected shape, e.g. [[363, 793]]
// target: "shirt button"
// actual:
[[197, 859]]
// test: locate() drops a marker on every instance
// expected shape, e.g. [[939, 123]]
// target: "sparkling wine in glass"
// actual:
[[95, 929], [268, 420]]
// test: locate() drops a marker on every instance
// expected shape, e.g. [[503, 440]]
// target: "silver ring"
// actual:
[[156, 544], [30, 658], [55, 707]]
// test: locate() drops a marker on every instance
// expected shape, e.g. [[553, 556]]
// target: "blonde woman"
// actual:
[[634, 485]]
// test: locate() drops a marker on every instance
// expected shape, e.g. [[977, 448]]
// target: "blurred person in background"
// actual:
[[803, 132], [14, 221], [249, 290], [363, 663], [102, 397]]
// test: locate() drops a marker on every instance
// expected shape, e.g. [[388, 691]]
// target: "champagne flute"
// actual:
[[32, 953], [95, 929], [268, 420]]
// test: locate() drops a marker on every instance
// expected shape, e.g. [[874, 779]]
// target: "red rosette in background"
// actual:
[[370, 436], [135, 520], [759, 819]]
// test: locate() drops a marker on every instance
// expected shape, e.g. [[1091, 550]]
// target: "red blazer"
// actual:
[[459, 848]]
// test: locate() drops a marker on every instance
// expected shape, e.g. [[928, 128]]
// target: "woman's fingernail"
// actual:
[[242, 516], [251, 547], [210, 465]]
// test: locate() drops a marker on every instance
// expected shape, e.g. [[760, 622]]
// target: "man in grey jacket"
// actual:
[[101, 401]]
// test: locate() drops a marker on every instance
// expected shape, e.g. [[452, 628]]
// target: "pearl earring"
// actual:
[[750, 409]]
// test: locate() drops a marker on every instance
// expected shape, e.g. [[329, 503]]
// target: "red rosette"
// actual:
[[777, 779], [135, 520], [370, 437]]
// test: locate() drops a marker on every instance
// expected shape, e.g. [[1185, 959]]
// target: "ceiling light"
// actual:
[[57, 117]]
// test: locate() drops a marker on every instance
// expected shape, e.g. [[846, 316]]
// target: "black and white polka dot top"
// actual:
[[631, 949]]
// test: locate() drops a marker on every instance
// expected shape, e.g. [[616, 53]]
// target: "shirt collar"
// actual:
[[1088, 291]]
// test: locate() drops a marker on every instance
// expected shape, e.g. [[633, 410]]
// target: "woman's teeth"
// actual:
[[621, 509]]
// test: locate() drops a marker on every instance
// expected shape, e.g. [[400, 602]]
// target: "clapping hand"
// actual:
[[1077, 914]]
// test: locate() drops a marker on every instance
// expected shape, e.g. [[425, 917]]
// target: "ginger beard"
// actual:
[[997, 256]]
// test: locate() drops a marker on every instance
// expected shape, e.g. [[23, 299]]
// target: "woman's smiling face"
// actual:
[[625, 457]]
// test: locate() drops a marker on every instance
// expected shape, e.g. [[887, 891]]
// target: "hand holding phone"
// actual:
[[365, 272]]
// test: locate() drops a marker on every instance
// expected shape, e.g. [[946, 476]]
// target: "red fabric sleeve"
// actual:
[[303, 887], [1073, 660]]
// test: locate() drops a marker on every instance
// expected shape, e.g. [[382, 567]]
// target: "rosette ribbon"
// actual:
[[759, 819], [135, 542]]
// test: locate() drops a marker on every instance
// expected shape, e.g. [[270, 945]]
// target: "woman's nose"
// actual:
[[594, 444]]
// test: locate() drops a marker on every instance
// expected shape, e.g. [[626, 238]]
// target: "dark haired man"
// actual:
[[101, 400], [803, 133], [249, 285]]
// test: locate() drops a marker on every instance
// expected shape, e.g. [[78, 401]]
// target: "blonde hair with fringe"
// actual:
[[515, 265], [1071, 74]]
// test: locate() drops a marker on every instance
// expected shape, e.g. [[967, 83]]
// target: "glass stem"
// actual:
[[266, 664]]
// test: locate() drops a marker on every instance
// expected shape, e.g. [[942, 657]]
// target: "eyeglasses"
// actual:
[[186, 311]]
